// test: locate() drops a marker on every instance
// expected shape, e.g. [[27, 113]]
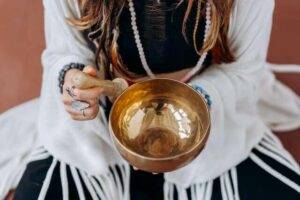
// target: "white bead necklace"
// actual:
[[141, 51]]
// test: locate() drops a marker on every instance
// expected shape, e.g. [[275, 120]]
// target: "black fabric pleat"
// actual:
[[85, 190], [73, 194], [55, 188], [32, 180], [146, 186], [255, 183]]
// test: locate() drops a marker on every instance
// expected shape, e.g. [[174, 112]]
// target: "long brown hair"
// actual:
[[104, 15]]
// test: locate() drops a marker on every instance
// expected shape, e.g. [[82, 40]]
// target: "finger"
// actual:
[[93, 102], [82, 118], [90, 71], [86, 114], [66, 99], [79, 118], [79, 105], [88, 94], [90, 112], [73, 111], [69, 90]]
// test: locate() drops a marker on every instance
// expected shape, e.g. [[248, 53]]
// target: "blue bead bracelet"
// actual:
[[203, 93]]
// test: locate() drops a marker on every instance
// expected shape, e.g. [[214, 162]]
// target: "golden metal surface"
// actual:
[[159, 125]]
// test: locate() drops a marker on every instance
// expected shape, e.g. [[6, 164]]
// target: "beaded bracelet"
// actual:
[[203, 93], [64, 70]]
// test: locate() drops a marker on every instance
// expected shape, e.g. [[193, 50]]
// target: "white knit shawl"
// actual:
[[246, 102]]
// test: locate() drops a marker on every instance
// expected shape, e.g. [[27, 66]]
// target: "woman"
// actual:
[[219, 46]]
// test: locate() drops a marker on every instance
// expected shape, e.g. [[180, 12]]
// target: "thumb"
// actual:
[[90, 71]]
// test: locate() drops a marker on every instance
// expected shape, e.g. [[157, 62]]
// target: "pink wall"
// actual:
[[21, 43]]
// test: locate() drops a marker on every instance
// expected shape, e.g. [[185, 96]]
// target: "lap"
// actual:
[[266, 174]]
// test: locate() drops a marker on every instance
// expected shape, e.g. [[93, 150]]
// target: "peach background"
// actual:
[[21, 43]]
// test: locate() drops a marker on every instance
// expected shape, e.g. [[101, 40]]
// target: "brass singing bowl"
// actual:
[[159, 125]]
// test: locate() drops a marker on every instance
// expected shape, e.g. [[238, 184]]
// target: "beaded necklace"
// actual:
[[141, 51]]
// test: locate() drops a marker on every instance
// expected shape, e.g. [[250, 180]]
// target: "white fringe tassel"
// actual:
[[77, 181], [201, 191], [277, 155], [47, 180], [111, 186], [39, 153], [98, 189], [115, 184], [269, 136], [88, 185], [271, 146], [274, 173], [234, 177], [64, 181], [229, 185], [285, 68]]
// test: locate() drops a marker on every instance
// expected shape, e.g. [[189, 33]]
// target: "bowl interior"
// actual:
[[159, 118]]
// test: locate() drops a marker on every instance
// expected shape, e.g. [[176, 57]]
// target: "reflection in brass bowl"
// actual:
[[159, 125]]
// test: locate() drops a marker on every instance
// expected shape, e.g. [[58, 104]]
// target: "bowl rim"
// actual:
[[199, 144]]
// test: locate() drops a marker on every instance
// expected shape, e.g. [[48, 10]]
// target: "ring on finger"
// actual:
[[83, 113], [79, 105]]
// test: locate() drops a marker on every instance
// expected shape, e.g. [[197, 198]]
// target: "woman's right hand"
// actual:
[[90, 96]]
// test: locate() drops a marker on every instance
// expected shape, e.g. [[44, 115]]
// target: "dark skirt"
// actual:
[[266, 174]]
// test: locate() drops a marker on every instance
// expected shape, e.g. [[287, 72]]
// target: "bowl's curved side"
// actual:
[[164, 164], [160, 165]]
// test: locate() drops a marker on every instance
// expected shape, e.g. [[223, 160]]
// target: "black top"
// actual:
[[160, 27]]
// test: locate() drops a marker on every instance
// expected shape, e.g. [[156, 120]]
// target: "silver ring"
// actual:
[[80, 105], [83, 112]]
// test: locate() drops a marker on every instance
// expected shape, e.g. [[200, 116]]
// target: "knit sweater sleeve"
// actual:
[[64, 44]]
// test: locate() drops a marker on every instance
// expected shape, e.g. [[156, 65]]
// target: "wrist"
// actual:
[[204, 94]]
